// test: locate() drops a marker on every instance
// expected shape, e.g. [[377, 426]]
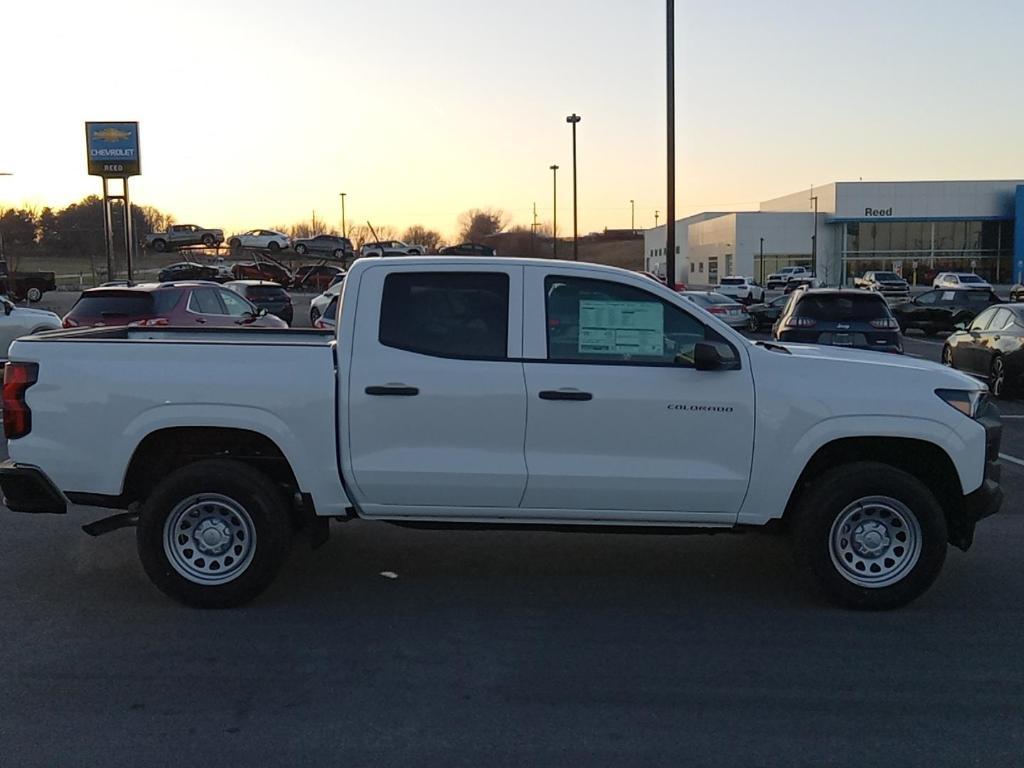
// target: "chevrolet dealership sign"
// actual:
[[112, 149]]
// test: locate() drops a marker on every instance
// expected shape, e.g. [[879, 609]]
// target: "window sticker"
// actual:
[[622, 328]]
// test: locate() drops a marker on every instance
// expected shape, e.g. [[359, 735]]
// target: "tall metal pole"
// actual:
[[656, 214], [554, 212], [814, 237], [574, 119], [762, 261], [632, 215], [344, 230], [108, 233], [670, 105], [129, 239]]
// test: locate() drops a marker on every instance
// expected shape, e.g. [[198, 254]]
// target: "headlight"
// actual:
[[968, 401]]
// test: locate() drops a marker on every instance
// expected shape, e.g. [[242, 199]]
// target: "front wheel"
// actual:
[[300, 249], [752, 324], [947, 356], [159, 246], [208, 241], [213, 534], [314, 315], [873, 536]]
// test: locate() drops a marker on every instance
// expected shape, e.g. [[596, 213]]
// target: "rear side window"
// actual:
[[113, 304], [446, 314], [977, 297], [842, 308], [204, 301]]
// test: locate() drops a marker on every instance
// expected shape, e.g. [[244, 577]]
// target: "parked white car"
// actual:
[[270, 239], [319, 304], [21, 321], [744, 289], [479, 391], [391, 248], [967, 280]]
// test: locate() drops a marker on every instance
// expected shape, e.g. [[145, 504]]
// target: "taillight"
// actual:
[[152, 322], [69, 322], [17, 417], [715, 309], [885, 322], [801, 322]]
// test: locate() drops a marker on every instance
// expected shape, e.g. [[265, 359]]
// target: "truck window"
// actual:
[[446, 314], [602, 321]]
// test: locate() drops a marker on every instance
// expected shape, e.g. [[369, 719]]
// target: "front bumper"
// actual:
[[28, 489], [987, 499]]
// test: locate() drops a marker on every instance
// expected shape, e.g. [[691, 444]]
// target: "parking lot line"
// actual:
[[1012, 459]]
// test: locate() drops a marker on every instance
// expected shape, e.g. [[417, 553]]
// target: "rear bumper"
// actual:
[[28, 489]]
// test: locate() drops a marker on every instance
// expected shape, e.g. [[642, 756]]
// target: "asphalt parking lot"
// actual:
[[390, 646]]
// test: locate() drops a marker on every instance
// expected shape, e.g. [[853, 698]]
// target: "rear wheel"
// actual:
[[997, 377], [873, 536], [208, 241], [274, 246], [213, 534], [947, 356], [159, 246], [234, 242], [33, 294], [314, 315], [339, 253], [300, 249], [752, 324]]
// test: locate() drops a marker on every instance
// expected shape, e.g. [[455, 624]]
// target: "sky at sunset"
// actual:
[[257, 113]]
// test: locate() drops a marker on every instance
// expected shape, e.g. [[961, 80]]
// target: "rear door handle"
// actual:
[[394, 390], [563, 394]]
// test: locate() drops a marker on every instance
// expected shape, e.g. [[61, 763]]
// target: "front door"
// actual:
[[436, 402], [621, 426]]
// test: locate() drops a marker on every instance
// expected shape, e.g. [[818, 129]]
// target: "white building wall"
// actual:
[[654, 245], [925, 199], [800, 202]]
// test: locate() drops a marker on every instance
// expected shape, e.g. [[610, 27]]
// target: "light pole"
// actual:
[[632, 216], [573, 119], [762, 261], [554, 212], [814, 237], [344, 230], [656, 214], [670, 138]]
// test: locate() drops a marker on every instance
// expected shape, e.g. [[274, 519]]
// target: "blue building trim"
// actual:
[[1018, 238]]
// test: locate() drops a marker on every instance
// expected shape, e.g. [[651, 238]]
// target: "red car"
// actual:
[[261, 270], [182, 304], [315, 277]]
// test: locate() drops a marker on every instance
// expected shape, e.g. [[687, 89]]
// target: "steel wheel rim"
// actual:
[[875, 542], [998, 378], [209, 539]]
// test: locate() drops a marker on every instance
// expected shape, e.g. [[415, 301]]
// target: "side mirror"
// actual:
[[960, 326], [262, 312], [706, 357]]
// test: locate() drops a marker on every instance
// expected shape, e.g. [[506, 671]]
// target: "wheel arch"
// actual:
[[924, 460]]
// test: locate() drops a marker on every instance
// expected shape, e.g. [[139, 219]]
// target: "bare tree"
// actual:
[[477, 224], [417, 234]]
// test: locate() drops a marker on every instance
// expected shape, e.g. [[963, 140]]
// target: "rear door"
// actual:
[[436, 400], [621, 425]]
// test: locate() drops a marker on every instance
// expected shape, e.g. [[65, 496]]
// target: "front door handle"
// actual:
[[394, 390], [565, 394]]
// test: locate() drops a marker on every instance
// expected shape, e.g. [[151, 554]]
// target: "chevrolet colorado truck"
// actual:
[[475, 391]]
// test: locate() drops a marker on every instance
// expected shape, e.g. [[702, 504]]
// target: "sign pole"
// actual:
[[128, 230], [108, 234]]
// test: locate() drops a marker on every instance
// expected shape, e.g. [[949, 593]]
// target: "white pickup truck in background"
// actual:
[[484, 391]]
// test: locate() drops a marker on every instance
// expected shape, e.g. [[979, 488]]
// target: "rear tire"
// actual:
[[274, 246], [997, 377], [314, 315], [159, 246], [752, 324], [213, 534], [872, 536], [208, 241]]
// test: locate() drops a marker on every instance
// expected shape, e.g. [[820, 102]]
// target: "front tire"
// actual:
[[159, 246], [208, 241], [213, 534], [872, 536], [300, 249], [314, 315], [997, 377], [752, 324]]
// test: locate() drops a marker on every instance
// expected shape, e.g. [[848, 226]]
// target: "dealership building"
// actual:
[[841, 230]]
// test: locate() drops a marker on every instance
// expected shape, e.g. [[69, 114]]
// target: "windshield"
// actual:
[[842, 307]]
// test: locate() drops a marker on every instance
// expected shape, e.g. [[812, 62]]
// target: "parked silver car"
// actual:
[[728, 310]]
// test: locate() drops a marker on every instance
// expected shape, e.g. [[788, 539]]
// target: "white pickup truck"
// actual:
[[504, 392]]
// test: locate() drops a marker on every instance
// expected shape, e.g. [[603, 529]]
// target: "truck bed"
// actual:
[[248, 336]]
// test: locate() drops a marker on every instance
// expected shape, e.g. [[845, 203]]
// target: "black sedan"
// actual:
[[991, 347], [942, 310], [468, 249], [764, 315], [265, 295], [327, 245], [187, 270]]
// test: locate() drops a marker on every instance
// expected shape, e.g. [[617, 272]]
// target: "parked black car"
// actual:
[[328, 245], [839, 317], [265, 295], [943, 309], [468, 249], [25, 285], [991, 347], [765, 314], [187, 270]]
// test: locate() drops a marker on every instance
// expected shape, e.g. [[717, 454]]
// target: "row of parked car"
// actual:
[[306, 277]]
